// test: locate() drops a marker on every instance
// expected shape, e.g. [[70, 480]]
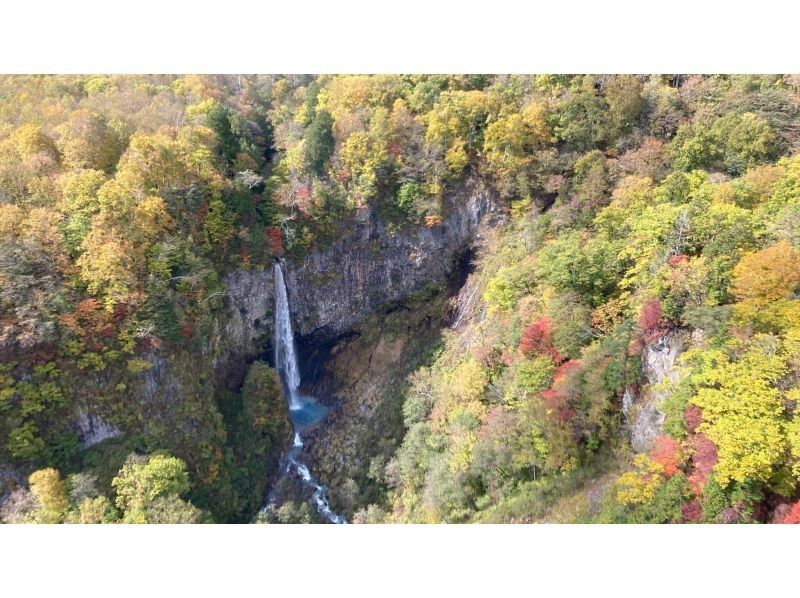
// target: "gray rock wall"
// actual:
[[643, 414]]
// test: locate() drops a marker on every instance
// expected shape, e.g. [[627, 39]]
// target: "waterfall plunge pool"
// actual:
[[306, 412]]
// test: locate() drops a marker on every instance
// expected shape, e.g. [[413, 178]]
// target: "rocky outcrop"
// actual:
[[93, 429], [332, 289], [643, 414]]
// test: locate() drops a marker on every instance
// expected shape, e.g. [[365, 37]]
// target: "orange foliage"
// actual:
[[433, 221], [91, 321], [667, 453], [793, 516], [767, 275]]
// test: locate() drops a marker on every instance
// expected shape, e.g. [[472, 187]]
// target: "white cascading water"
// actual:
[[285, 355], [289, 372]]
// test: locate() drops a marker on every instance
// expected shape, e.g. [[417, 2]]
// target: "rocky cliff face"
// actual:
[[332, 289], [644, 416], [329, 291]]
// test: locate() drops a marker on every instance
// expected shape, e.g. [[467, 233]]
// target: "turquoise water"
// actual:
[[307, 413]]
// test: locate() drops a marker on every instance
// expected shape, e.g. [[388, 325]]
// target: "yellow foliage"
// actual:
[[79, 191], [763, 282], [462, 445], [51, 493], [137, 365], [743, 411], [200, 108], [793, 435], [456, 158], [638, 487], [151, 217], [11, 217], [105, 265], [535, 118], [30, 139], [767, 275]]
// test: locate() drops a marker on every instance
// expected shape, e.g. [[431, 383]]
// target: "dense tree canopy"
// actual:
[[633, 209]]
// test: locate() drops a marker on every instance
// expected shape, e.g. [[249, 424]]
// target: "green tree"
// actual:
[[144, 480], [319, 141], [219, 121], [588, 267]]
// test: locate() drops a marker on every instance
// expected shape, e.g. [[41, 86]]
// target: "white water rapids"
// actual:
[[303, 410]]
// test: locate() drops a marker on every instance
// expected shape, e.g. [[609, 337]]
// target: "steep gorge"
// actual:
[[331, 291]]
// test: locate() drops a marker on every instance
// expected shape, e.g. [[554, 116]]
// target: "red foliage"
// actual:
[[704, 459], [538, 340], [650, 320], [91, 322], [692, 417], [567, 368], [793, 516], [677, 259], [692, 511], [40, 355], [275, 240], [557, 397], [394, 149], [558, 402], [667, 453]]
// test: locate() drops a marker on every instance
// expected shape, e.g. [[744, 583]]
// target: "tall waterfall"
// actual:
[[304, 410], [285, 354]]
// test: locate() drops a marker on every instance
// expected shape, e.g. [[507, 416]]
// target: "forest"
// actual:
[[628, 342]]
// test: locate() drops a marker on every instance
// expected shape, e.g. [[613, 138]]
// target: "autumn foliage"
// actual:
[[704, 458], [793, 516], [557, 397], [538, 340], [667, 453], [692, 511], [767, 275], [651, 320], [693, 417], [275, 240]]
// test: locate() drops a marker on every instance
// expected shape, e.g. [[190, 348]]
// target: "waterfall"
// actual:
[[465, 301], [304, 410], [285, 354]]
